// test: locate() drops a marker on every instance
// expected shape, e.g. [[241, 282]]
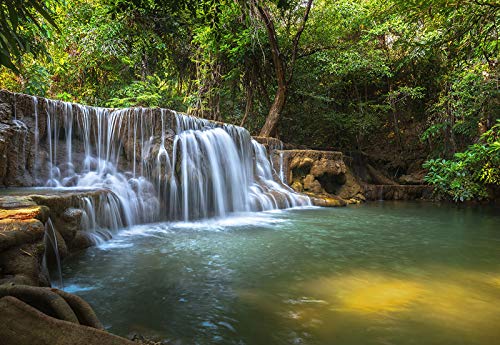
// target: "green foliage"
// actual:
[[469, 174], [371, 75], [20, 20], [152, 92], [469, 98]]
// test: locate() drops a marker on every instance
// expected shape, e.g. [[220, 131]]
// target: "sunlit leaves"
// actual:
[[18, 20]]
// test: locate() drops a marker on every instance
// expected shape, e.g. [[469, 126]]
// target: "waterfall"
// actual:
[[155, 163], [50, 239]]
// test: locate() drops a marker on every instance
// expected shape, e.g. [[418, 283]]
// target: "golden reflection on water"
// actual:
[[443, 306], [366, 292]]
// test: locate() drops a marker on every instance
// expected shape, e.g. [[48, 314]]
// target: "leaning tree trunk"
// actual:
[[279, 67], [284, 79], [273, 116]]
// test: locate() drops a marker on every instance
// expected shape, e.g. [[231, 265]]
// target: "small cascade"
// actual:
[[281, 163], [281, 193], [50, 239], [102, 216], [156, 164], [281, 175], [222, 170], [36, 134]]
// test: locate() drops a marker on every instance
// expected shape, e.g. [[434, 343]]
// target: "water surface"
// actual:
[[378, 273]]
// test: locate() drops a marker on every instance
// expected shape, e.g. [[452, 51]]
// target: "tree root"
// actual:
[[54, 302], [84, 312]]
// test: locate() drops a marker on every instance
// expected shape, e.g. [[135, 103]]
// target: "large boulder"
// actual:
[[323, 175]]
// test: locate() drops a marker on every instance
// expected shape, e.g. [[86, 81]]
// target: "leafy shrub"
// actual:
[[468, 174]]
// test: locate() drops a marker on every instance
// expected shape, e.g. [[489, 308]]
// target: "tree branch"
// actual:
[[279, 65]]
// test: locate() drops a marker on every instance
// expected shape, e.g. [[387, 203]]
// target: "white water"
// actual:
[[50, 238], [199, 170]]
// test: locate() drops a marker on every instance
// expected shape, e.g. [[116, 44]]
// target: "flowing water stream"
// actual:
[[378, 273], [155, 165]]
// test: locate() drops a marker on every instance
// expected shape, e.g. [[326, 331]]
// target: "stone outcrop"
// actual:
[[24, 214], [323, 175], [333, 179]]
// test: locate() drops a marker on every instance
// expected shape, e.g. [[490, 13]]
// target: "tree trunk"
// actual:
[[279, 68], [273, 116]]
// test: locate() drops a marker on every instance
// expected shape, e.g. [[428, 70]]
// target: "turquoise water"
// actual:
[[378, 273]]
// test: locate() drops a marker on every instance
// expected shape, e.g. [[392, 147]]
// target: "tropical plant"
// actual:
[[469, 174], [20, 22]]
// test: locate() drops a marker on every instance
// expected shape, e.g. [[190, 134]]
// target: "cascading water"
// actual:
[[223, 170], [50, 239], [156, 164]]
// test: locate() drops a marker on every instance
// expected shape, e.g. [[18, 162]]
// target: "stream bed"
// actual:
[[377, 273]]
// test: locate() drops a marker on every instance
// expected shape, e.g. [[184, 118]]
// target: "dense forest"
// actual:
[[408, 83]]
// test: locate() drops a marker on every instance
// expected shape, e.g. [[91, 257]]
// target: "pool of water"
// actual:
[[378, 273]]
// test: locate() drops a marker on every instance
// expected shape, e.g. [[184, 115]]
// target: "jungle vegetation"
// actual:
[[404, 81]]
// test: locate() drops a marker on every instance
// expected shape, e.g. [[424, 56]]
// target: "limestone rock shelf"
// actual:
[[397, 192], [24, 213], [329, 179], [323, 175]]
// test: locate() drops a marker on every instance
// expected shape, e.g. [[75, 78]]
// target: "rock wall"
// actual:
[[323, 175], [332, 179], [397, 192], [16, 146], [24, 217], [25, 143]]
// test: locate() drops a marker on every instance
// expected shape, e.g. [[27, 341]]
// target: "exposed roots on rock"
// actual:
[[54, 302], [24, 325], [84, 312]]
